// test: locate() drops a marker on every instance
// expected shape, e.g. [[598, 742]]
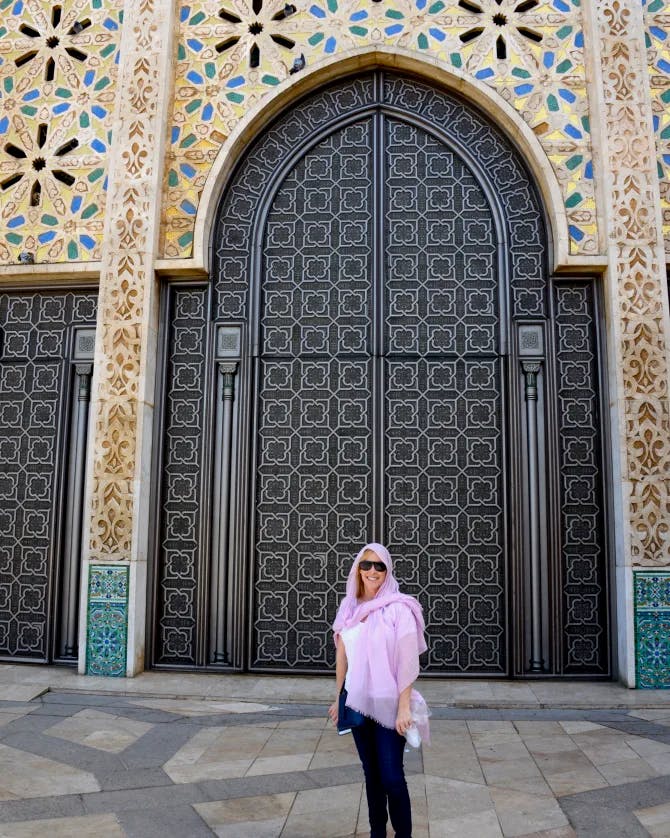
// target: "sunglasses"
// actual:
[[380, 567]]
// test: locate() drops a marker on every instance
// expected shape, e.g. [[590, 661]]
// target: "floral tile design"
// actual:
[[232, 53], [107, 620], [652, 629], [657, 21], [57, 78]]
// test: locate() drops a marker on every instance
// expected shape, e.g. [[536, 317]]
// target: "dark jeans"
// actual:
[[381, 751]]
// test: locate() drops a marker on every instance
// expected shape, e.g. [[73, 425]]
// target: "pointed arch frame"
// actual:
[[450, 79]]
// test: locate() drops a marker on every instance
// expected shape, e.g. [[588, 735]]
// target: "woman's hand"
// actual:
[[403, 720], [333, 712]]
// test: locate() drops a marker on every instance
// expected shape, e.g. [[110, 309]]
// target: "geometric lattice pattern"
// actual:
[[443, 426], [652, 628], [658, 53], [107, 625], [380, 325], [315, 425], [235, 230], [233, 53], [524, 238], [181, 489], [314, 501], [35, 334], [583, 553], [445, 505], [57, 89]]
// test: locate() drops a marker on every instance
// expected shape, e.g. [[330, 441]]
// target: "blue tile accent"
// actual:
[[107, 633], [652, 629]]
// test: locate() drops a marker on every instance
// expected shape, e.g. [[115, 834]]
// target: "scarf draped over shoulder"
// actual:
[[391, 640]]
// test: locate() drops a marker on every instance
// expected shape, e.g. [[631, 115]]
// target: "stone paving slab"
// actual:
[[102, 826], [465, 693], [123, 765]]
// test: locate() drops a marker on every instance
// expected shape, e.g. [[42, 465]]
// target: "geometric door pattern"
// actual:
[[358, 348], [583, 566], [178, 575], [36, 337], [315, 493], [378, 246], [445, 517]]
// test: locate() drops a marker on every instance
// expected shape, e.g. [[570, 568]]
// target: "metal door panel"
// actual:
[[37, 388]]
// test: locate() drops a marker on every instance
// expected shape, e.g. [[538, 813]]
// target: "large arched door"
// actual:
[[380, 410], [382, 323]]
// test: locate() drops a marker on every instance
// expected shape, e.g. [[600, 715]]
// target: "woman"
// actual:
[[379, 637]]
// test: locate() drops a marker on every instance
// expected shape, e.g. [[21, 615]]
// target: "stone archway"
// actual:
[[387, 360]]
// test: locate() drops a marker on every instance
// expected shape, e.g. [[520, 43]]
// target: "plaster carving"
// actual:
[[639, 267], [126, 285]]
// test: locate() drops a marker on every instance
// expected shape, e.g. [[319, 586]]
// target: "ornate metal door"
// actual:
[[46, 352], [380, 320]]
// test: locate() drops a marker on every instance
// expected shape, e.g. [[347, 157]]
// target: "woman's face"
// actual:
[[372, 579]]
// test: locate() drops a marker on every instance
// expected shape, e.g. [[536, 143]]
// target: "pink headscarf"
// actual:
[[392, 638]]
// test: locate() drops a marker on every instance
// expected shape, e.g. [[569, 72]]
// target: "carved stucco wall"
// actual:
[[123, 384], [232, 54], [636, 279], [123, 380], [59, 69], [58, 81]]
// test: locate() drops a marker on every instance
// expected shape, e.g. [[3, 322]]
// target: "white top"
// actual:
[[350, 638]]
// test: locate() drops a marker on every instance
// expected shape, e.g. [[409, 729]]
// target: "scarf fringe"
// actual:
[[421, 724], [368, 716]]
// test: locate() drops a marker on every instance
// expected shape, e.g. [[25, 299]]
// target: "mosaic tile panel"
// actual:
[[233, 53], [657, 35], [107, 625], [57, 87], [652, 629]]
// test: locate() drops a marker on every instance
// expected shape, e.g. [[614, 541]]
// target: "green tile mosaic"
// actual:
[[107, 626], [652, 629]]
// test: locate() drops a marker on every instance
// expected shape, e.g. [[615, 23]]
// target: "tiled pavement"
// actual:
[[142, 762]]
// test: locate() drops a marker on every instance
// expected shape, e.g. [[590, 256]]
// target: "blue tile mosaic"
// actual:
[[107, 631], [652, 629]]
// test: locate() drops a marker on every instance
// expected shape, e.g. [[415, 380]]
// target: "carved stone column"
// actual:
[[117, 508], [636, 308]]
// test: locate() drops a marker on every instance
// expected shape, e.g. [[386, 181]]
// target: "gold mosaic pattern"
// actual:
[[58, 73], [233, 53], [638, 264], [657, 24]]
